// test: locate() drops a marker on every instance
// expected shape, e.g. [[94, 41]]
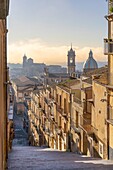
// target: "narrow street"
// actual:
[[20, 138], [24, 157]]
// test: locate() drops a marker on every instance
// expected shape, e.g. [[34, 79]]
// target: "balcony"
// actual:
[[78, 101], [108, 46], [47, 101], [64, 114], [110, 121], [59, 109], [47, 131], [63, 135], [110, 7], [89, 129], [32, 121], [4, 9], [75, 127], [36, 116], [44, 112], [58, 131], [52, 135], [52, 118]]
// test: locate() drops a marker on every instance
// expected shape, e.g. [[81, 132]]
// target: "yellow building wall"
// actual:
[[99, 115]]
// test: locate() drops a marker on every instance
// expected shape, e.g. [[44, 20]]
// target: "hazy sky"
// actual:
[[44, 29]]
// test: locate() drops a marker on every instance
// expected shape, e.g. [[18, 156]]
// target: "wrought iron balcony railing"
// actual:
[[108, 46]]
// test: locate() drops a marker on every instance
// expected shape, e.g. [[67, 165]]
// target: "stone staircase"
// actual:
[[21, 138], [41, 158], [24, 157]]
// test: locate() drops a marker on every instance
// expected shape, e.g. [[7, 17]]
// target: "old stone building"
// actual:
[[81, 116], [23, 86], [10, 115], [30, 68], [52, 107]]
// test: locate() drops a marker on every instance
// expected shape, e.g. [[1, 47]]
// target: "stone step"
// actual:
[[39, 158]]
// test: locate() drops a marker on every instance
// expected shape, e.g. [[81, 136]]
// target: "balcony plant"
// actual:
[[111, 9]]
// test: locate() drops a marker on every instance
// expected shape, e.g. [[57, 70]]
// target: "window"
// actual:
[[71, 60], [19, 94]]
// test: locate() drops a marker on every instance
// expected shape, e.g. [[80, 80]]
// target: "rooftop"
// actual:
[[26, 81], [70, 84], [100, 70], [59, 75], [100, 75]]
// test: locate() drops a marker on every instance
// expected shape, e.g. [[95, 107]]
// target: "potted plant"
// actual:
[[111, 9]]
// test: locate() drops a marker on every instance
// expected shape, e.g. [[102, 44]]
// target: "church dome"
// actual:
[[90, 63]]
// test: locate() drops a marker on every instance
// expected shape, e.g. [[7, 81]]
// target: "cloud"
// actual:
[[42, 52]]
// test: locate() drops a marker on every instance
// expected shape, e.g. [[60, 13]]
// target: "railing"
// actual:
[[75, 127], [47, 131], [59, 109], [108, 46], [53, 99], [32, 111], [78, 101], [52, 118], [58, 131], [45, 99], [37, 117], [33, 99], [64, 114], [51, 134]]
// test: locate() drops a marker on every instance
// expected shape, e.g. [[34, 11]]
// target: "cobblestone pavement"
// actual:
[[37, 158]]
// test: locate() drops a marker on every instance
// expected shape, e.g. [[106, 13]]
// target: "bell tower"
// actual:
[[24, 61], [71, 61]]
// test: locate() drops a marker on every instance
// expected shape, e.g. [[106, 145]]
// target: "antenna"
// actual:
[[71, 45]]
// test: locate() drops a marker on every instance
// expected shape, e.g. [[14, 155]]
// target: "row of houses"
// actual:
[[10, 117], [74, 115]]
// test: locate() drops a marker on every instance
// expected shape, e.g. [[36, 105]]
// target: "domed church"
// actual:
[[90, 63]]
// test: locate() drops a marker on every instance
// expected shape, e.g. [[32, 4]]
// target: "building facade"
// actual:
[[108, 50]]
